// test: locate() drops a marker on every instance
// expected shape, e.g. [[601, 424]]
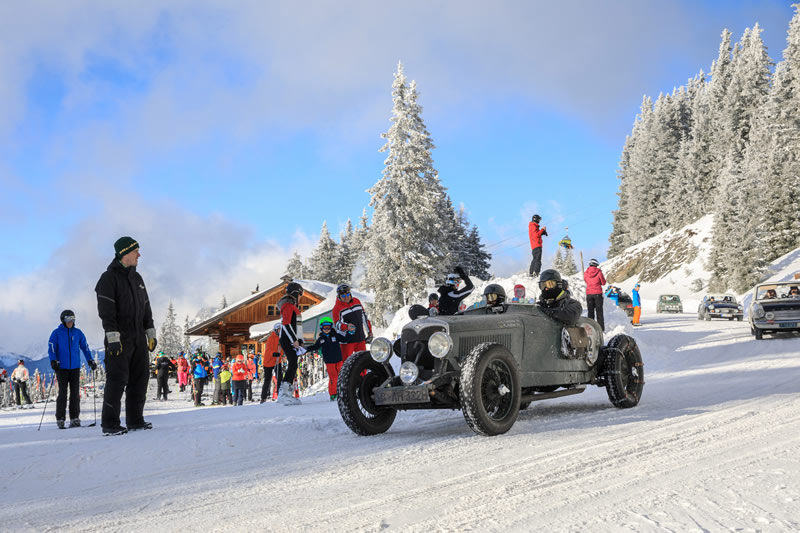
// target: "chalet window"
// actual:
[[304, 307], [271, 310]]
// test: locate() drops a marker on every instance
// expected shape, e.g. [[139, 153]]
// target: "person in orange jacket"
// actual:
[[272, 355], [535, 235], [251, 375], [239, 379]]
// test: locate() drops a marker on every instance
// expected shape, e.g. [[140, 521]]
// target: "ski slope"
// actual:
[[712, 446]]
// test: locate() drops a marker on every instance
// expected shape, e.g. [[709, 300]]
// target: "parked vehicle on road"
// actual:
[[720, 306], [669, 303], [488, 362], [775, 307]]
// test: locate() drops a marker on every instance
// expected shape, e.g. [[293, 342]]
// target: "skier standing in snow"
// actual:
[[183, 371], [251, 375], [290, 342], [216, 367], [594, 292], [124, 309], [351, 320], [20, 377], [163, 366], [64, 348], [272, 355], [329, 344], [554, 300], [225, 377], [239, 378], [199, 376], [450, 295], [535, 235], [637, 305]]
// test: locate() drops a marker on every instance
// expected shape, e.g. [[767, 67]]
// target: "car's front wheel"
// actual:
[[759, 334], [359, 375], [623, 370], [490, 390]]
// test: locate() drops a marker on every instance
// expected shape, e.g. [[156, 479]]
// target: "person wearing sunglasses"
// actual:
[[64, 348], [555, 301], [450, 295], [350, 319], [329, 344]]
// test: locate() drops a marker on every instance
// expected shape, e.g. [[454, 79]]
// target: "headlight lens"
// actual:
[[440, 344], [769, 316], [408, 373], [710, 307], [380, 350], [758, 311], [740, 307]]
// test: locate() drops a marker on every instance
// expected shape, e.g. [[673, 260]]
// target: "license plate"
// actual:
[[396, 395], [789, 325]]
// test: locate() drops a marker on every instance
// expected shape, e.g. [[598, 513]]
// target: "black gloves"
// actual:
[[152, 342], [54, 365], [460, 271], [92, 365], [113, 344]]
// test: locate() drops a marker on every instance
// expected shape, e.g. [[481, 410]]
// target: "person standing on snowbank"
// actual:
[[637, 305], [594, 292], [124, 309], [290, 342], [64, 348], [535, 235], [20, 377]]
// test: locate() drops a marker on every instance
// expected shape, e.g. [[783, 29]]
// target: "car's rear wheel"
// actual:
[[490, 390], [623, 370], [360, 374], [739, 318]]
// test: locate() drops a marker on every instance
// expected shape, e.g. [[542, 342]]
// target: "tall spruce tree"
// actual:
[[323, 264], [170, 340], [407, 242], [347, 254], [295, 267], [187, 345], [570, 268]]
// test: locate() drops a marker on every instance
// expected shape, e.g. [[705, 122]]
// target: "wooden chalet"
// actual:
[[230, 327]]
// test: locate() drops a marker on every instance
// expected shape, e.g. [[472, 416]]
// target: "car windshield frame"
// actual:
[[781, 289], [670, 299]]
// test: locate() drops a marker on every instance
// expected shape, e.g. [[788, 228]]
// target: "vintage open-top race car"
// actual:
[[720, 306], [489, 362]]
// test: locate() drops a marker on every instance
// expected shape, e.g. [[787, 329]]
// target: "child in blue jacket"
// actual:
[[328, 344]]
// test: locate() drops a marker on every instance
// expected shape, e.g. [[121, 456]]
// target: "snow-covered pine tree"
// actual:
[[407, 242], [295, 267], [776, 133], [478, 266], [558, 260], [735, 243], [347, 254], [570, 268], [324, 259], [187, 345], [224, 303], [170, 341], [620, 237]]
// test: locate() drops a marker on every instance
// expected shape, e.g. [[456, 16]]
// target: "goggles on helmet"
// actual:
[[69, 318], [491, 298], [345, 295], [548, 284]]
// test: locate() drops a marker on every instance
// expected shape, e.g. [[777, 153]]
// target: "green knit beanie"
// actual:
[[124, 245]]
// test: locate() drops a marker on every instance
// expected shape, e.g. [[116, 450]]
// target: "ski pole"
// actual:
[[94, 388], [45, 402]]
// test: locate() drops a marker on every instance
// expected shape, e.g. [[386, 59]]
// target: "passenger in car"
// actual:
[[555, 301], [771, 294], [794, 292]]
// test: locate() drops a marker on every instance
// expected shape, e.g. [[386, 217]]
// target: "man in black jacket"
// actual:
[[124, 309]]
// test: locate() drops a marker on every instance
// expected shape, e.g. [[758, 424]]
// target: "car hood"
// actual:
[[723, 305]]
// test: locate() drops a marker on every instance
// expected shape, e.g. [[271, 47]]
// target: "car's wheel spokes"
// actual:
[[495, 390]]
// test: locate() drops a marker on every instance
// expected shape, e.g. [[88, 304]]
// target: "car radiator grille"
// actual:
[[466, 344], [787, 315]]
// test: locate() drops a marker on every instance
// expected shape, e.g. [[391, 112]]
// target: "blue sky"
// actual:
[[222, 135]]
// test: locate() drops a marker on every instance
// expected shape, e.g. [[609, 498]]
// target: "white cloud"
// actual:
[[190, 259]]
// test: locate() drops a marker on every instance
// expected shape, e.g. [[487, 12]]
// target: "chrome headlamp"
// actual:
[[440, 344], [380, 349], [408, 373], [758, 311], [710, 307]]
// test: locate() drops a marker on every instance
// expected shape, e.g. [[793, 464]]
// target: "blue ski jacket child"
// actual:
[[66, 345], [328, 345]]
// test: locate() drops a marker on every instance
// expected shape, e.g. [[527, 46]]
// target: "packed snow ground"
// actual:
[[712, 446]]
